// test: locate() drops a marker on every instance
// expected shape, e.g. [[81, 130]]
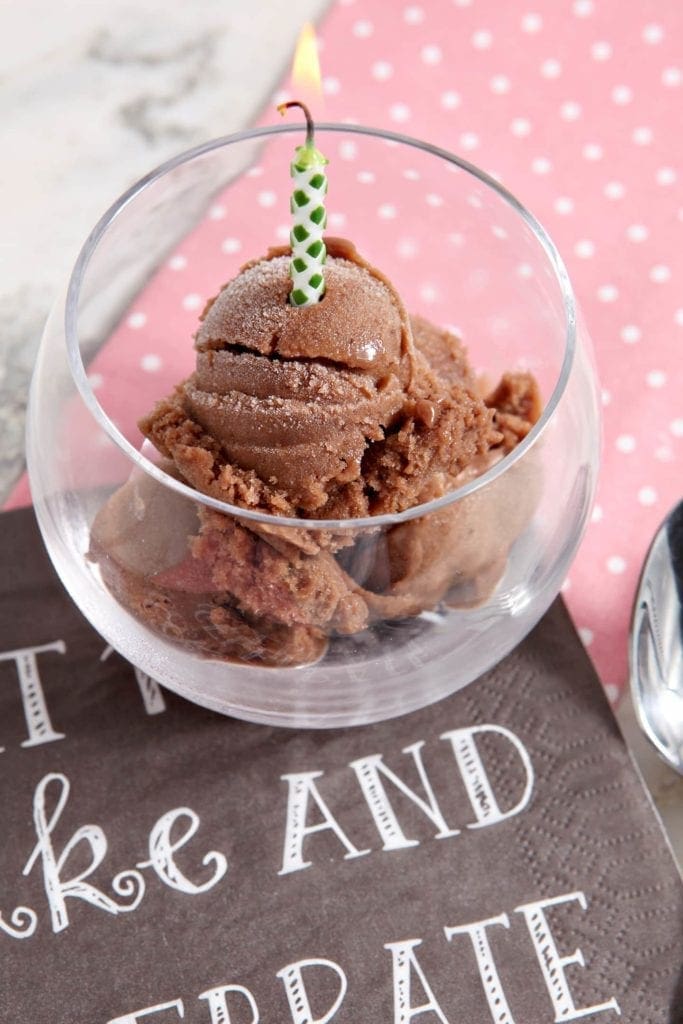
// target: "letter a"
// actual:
[[404, 962], [301, 786]]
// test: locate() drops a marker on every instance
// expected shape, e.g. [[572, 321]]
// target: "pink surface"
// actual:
[[576, 109]]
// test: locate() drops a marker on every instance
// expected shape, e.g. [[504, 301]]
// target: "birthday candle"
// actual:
[[309, 217]]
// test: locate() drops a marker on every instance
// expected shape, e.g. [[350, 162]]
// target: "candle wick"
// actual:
[[310, 128]]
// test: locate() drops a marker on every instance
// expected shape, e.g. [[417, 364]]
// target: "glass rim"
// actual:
[[139, 461]]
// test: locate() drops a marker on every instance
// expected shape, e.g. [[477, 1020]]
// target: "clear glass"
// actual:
[[487, 558]]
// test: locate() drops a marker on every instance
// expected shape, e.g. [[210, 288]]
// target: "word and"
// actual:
[[372, 776]]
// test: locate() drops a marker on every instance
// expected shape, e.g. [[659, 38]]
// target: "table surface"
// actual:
[[95, 95]]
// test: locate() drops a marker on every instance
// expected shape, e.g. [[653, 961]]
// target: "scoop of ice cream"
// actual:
[[296, 394], [345, 409], [329, 410]]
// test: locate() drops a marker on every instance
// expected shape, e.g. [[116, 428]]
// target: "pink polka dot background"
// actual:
[[576, 108]]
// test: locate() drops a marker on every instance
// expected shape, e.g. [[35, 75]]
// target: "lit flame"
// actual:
[[306, 84]]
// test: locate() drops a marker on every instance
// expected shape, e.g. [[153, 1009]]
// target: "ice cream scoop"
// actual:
[[344, 409]]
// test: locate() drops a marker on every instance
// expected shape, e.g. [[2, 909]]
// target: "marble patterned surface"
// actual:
[[92, 97]]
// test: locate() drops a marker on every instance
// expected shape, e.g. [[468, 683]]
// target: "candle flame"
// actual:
[[306, 81]]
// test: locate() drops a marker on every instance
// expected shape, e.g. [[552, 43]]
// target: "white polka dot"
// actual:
[[331, 86], [660, 273], [525, 270], [382, 70], [386, 211], [337, 220], [602, 50], [521, 127], [564, 205], [362, 29], [597, 514], [608, 293], [666, 176], [531, 23], [482, 39], [217, 212], [177, 262], [500, 84], [231, 246], [616, 565], [653, 34], [469, 140], [410, 174], [622, 94], [605, 396], [256, 171], [431, 54], [637, 232], [672, 77], [282, 232], [566, 586], [456, 238], [625, 443], [570, 111], [137, 320], [463, 3], [656, 379], [348, 150], [499, 231], [266, 199], [612, 693], [614, 190], [583, 8], [664, 454], [450, 99], [192, 301], [541, 165], [642, 136], [433, 199], [428, 292], [647, 496], [676, 427], [584, 249], [366, 177], [407, 248], [399, 112], [551, 68], [592, 151], [95, 380], [586, 635], [413, 15], [631, 333], [150, 363]]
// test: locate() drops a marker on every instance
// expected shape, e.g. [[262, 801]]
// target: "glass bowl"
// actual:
[[283, 620]]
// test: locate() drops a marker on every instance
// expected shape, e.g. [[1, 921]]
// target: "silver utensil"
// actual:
[[656, 643]]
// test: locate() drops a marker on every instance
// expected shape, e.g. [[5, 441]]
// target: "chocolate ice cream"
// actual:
[[345, 409]]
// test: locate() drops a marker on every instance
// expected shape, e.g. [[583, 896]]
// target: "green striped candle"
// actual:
[[307, 204]]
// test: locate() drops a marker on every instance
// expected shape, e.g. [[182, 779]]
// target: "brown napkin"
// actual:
[[160, 863]]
